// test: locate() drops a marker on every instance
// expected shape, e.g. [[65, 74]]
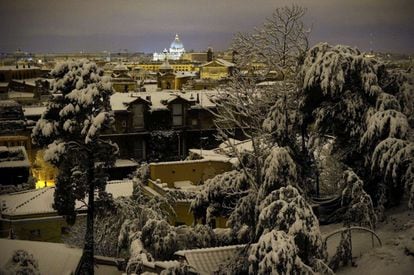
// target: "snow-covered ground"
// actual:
[[397, 235]]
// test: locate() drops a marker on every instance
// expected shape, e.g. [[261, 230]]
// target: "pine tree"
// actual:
[[360, 103], [70, 127]]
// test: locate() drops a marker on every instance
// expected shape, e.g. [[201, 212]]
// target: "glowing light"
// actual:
[[43, 184]]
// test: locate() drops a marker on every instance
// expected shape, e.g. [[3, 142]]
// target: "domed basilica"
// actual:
[[175, 52]]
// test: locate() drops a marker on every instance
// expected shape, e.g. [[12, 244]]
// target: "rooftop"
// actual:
[[208, 260], [40, 201]]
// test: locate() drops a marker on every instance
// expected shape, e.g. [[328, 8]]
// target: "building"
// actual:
[[12, 120], [167, 79], [161, 125], [14, 165], [30, 214], [216, 69], [122, 81], [174, 53], [184, 177], [178, 65]]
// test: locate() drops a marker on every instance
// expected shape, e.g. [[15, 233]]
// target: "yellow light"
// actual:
[[43, 184]]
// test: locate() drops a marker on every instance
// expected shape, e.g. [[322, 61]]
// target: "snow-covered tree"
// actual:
[[220, 195], [279, 170], [21, 262], [160, 238], [277, 45], [392, 163], [276, 253], [360, 209], [286, 210], [359, 102], [70, 128]]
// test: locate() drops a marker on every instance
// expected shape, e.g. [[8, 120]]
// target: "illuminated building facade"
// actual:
[[174, 53]]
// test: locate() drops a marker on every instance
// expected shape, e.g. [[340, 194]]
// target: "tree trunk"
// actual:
[[88, 249]]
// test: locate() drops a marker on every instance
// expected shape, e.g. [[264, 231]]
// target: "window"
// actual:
[[177, 112], [138, 116], [35, 233]]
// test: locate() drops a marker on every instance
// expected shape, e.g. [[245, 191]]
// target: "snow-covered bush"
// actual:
[[343, 254], [286, 210], [276, 253], [392, 161], [382, 125], [361, 103], [220, 195], [21, 263], [278, 170], [159, 238], [360, 209]]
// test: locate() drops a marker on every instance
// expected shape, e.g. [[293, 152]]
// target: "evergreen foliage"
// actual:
[[70, 128]]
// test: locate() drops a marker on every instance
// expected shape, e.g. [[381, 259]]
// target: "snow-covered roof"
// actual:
[[14, 94], [213, 155], [34, 111], [8, 103], [120, 188], [10, 161], [13, 68], [220, 62], [30, 81], [40, 201], [182, 74], [208, 260], [53, 258], [245, 145], [120, 67], [120, 101], [125, 163]]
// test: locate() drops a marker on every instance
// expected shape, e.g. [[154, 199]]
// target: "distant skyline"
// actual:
[[150, 25]]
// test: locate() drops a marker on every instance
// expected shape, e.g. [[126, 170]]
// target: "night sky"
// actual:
[[150, 25]]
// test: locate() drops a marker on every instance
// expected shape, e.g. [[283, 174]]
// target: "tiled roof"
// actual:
[[208, 260]]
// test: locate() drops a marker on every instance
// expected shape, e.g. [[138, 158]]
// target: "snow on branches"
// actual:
[[333, 68], [393, 161], [21, 262], [360, 209], [80, 108], [383, 124], [286, 210], [220, 195], [276, 253], [279, 170]]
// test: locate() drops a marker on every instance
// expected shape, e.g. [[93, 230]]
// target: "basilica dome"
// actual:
[[176, 44]]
